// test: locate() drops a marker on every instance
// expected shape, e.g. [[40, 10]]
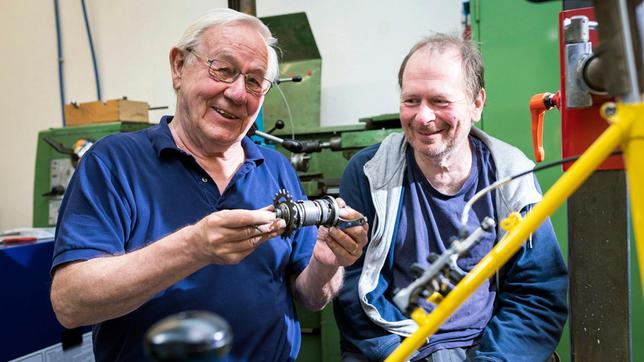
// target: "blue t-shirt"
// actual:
[[427, 222], [132, 189]]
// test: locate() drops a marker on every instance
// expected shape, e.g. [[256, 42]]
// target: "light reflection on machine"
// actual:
[[191, 336]]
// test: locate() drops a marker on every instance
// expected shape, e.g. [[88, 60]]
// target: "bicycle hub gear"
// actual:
[[321, 212]]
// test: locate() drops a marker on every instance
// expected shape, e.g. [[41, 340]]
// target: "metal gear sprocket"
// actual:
[[282, 196], [285, 209]]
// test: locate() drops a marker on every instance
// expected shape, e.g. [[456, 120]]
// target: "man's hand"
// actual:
[[334, 249], [93, 291], [228, 236], [341, 247]]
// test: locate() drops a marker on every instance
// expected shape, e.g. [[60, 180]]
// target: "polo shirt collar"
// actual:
[[161, 137], [253, 153], [162, 141]]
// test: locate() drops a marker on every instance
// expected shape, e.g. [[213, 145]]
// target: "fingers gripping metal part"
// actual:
[[345, 224]]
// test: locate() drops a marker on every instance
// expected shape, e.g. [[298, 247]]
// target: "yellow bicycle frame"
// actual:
[[627, 129]]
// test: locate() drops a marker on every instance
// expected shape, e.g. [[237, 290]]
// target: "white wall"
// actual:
[[361, 43]]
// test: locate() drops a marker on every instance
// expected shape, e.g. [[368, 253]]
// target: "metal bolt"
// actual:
[[487, 223]]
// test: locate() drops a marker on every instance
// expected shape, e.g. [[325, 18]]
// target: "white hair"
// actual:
[[222, 16]]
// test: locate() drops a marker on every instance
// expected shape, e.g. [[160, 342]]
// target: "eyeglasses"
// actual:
[[223, 71]]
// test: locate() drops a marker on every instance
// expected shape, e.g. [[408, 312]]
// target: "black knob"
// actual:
[[55, 191], [189, 336], [279, 124]]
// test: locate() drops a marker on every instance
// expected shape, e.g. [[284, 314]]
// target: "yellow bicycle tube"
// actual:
[[618, 132], [633, 148]]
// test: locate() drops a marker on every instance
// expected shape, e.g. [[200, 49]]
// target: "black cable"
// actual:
[[59, 47], [555, 163], [505, 180], [91, 48]]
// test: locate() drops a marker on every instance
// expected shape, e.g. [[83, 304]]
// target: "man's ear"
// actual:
[[479, 102], [177, 60]]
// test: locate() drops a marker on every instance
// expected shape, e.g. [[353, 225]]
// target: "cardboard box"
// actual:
[[116, 110]]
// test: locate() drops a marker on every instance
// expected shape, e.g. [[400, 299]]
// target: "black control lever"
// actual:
[[279, 124], [294, 146], [295, 79], [55, 191], [59, 147]]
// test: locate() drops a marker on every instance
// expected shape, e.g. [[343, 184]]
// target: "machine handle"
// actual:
[[539, 104], [59, 147]]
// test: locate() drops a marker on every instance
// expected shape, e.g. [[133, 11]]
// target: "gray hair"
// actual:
[[471, 59], [223, 16]]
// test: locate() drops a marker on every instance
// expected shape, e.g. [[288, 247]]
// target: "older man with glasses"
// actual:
[[174, 217]]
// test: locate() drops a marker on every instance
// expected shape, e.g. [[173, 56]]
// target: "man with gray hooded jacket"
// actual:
[[413, 187]]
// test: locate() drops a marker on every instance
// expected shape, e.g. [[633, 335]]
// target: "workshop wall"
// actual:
[[361, 43]]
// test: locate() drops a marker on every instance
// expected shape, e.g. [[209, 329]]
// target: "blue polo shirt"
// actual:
[[131, 189]]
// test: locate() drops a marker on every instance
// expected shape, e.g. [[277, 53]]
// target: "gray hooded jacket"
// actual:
[[385, 172]]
